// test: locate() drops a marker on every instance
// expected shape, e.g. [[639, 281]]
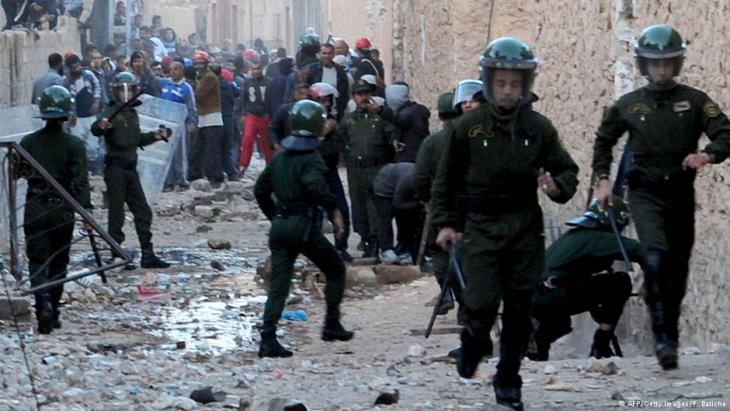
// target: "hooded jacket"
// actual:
[[409, 118]]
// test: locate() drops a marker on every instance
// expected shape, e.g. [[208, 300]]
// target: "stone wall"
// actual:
[[24, 58], [584, 48]]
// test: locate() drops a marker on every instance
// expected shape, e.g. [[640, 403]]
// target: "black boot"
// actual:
[[538, 349], [446, 304], [333, 330], [601, 347], [270, 346], [44, 313], [665, 348], [473, 347], [508, 392], [371, 249], [150, 260]]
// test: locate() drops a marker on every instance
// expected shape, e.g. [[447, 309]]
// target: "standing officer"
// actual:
[[579, 277], [665, 121], [367, 139], [49, 222], [495, 158], [123, 136], [295, 178]]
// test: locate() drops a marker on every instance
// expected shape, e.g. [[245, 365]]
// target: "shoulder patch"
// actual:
[[639, 108], [711, 109], [478, 130]]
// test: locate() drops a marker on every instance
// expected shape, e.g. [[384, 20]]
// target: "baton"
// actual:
[[127, 103], [617, 233], [457, 268], [424, 237], [445, 289]]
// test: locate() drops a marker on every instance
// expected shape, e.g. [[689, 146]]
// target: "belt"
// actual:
[[289, 210], [121, 163], [365, 162], [665, 182], [501, 204]]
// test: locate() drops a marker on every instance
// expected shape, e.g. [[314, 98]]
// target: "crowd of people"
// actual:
[[42, 14], [472, 186]]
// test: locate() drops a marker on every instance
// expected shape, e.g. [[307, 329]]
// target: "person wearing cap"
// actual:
[[665, 121], [292, 193], [367, 141], [367, 64], [579, 277], [257, 117], [485, 201], [373, 82], [123, 136], [427, 162], [49, 221], [205, 151]]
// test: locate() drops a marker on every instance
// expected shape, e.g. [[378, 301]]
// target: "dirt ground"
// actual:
[[147, 339]]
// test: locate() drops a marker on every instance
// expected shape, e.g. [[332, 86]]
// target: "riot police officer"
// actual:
[[665, 121], [49, 222], [579, 277], [296, 179], [122, 136], [494, 160]]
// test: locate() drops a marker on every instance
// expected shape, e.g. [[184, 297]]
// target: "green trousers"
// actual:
[[289, 237], [123, 186]]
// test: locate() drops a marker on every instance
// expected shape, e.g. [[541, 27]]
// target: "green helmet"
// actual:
[[659, 42], [444, 104], [55, 102], [309, 43], [123, 79], [306, 120], [511, 54], [597, 216]]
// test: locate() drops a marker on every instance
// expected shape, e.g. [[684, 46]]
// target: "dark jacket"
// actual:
[[411, 122], [63, 156], [396, 181], [279, 125], [254, 96], [343, 87], [124, 138], [277, 90]]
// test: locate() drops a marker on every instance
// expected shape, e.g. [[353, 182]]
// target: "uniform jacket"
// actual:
[[63, 156], [427, 162], [124, 138], [366, 138], [491, 161], [664, 127], [296, 178]]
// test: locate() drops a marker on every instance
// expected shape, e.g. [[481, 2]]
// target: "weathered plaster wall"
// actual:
[[24, 58], [586, 62]]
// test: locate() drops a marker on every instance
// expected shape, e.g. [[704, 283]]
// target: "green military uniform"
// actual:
[[492, 158], [290, 192], [664, 124], [367, 139], [121, 178], [427, 162], [578, 278], [48, 220]]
